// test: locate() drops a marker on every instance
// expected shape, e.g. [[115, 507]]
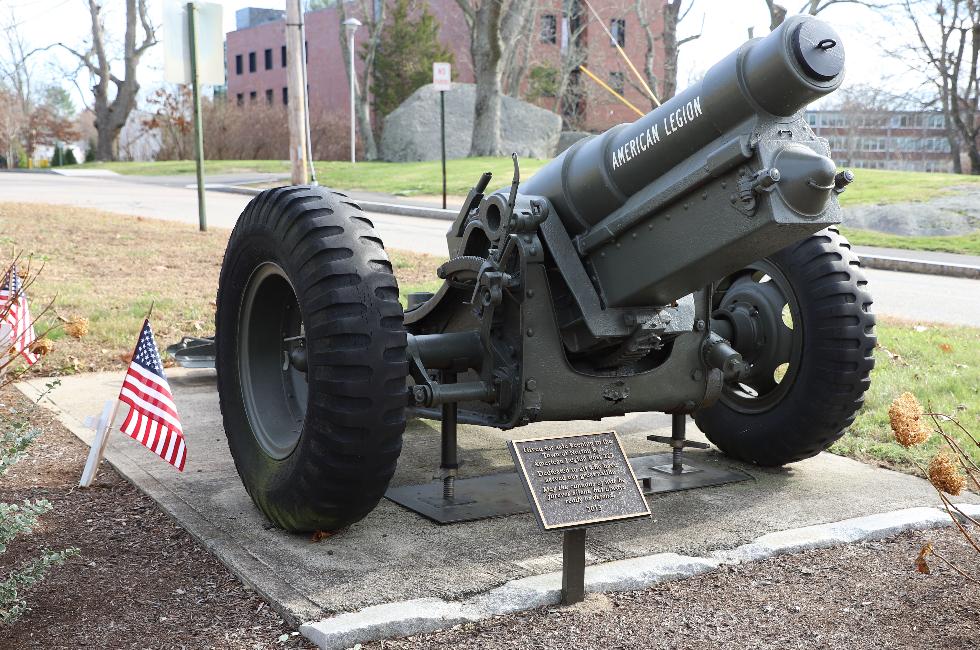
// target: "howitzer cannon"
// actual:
[[684, 263]]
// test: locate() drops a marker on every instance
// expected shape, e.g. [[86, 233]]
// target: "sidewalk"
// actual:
[[371, 580]]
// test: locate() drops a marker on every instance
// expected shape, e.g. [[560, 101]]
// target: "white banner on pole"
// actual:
[[442, 76], [177, 47]]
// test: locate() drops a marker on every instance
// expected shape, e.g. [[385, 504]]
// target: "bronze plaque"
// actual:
[[577, 480]]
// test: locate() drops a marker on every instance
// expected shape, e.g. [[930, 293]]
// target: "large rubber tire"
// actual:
[[311, 248], [834, 338]]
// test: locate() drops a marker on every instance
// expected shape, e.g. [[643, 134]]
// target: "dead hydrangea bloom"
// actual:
[[945, 475], [921, 563], [42, 346], [77, 327], [905, 415]]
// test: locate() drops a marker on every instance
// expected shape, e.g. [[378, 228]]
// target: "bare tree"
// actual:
[[948, 46], [777, 12], [517, 58], [569, 93], [673, 12], [489, 21], [12, 123], [372, 14], [112, 109]]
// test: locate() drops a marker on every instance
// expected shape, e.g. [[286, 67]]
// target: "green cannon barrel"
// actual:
[[778, 75]]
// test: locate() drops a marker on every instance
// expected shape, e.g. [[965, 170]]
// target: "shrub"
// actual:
[[18, 519]]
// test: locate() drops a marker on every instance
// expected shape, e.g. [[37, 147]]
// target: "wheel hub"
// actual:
[[760, 309], [272, 360]]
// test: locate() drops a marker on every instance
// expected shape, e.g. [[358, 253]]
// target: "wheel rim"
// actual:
[[272, 360], [764, 313]]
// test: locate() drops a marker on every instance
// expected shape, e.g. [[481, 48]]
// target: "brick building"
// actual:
[[900, 140], [256, 57]]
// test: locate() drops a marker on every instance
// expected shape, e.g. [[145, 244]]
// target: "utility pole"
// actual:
[[202, 216], [295, 53]]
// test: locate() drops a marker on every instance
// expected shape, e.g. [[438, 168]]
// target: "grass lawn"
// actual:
[[175, 167], [403, 179], [880, 186], [90, 258], [940, 365], [962, 244], [108, 269]]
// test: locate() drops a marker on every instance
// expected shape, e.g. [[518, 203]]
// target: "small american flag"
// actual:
[[152, 419], [16, 314]]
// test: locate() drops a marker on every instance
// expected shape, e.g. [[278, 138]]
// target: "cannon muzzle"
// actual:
[[720, 175]]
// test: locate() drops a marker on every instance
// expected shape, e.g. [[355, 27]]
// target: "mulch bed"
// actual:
[[140, 580], [851, 597]]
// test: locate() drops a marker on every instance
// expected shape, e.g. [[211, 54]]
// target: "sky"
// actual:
[[723, 25]]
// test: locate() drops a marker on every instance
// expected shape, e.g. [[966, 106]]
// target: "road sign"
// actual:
[[177, 47], [442, 76]]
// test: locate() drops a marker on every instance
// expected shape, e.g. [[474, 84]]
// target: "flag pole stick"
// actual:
[[101, 440], [97, 451]]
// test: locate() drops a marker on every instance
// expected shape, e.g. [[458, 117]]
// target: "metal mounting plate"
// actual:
[[499, 495]]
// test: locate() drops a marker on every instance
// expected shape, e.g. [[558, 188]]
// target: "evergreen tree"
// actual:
[[408, 48]]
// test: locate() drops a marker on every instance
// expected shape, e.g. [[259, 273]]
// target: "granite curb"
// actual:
[[422, 615], [907, 265]]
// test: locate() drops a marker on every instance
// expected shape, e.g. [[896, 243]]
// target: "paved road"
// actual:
[[904, 295]]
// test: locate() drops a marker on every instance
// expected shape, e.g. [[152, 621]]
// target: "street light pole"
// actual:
[[351, 24]]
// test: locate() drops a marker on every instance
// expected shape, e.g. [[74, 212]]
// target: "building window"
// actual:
[[283, 56], [268, 96], [306, 51], [549, 28], [251, 97], [617, 82], [617, 27], [268, 59], [238, 64], [251, 61], [240, 99], [285, 96]]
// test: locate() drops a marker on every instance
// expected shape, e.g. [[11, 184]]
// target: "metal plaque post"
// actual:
[[573, 566]]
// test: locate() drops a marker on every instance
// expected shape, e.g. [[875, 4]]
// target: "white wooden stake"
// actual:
[[97, 450]]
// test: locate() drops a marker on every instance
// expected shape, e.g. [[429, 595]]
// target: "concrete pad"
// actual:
[[396, 556]]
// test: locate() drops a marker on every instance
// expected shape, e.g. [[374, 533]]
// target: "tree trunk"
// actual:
[[518, 57], [111, 116], [671, 17], [954, 146], [485, 49]]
